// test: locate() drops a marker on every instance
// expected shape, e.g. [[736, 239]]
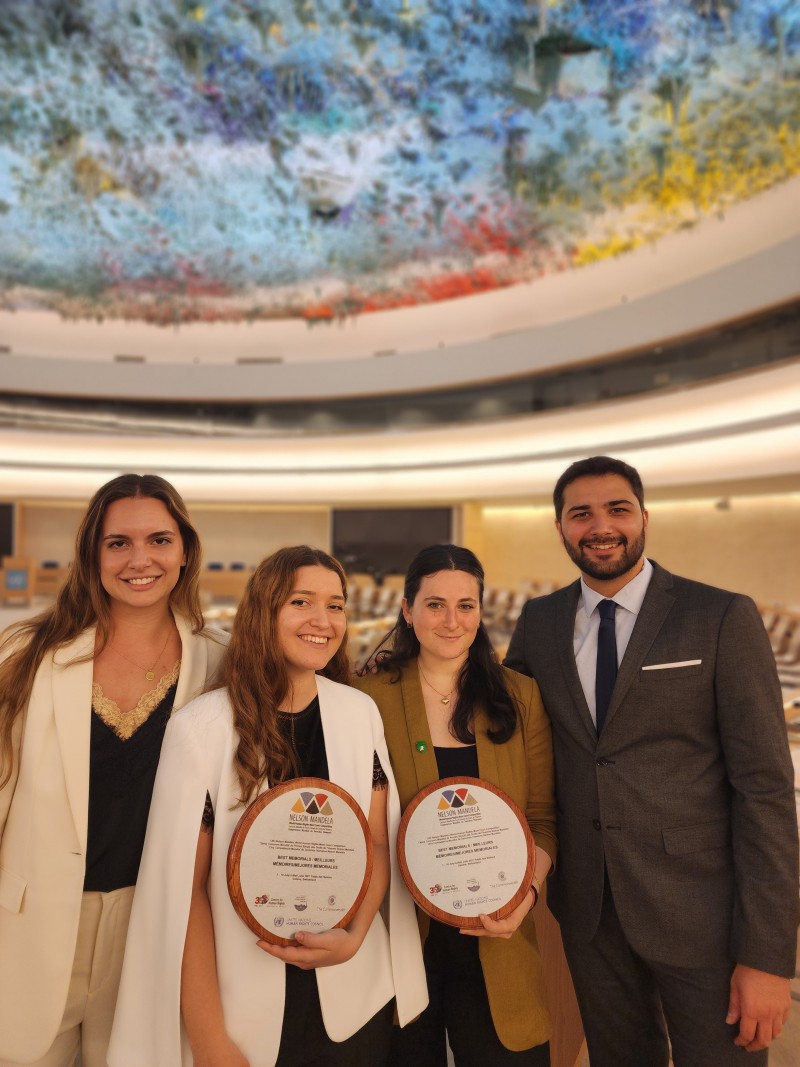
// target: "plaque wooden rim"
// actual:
[[464, 922], [242, 828]]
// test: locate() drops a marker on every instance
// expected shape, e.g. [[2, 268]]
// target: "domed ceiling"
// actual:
[[239, 160]]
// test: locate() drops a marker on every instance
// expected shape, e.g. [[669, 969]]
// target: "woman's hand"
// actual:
[[503, 927], [339, 945], [222, 1054], [506, 927], [316, 950]]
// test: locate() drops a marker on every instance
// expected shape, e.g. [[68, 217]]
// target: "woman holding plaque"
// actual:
[[450, 710], [86, 689], [198, 987]]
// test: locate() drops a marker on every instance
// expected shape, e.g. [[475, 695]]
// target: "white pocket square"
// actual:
[[678, 663]]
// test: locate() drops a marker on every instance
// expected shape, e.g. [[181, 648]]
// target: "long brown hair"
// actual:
[[480, 681], [254, 668], [82, 601]]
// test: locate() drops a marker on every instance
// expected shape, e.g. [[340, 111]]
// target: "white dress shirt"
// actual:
[[587, 623]]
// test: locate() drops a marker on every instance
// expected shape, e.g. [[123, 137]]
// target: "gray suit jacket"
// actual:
[[687, 798]]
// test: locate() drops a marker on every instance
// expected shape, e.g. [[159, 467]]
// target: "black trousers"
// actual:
[[459, 1011], [633, 1009], [305, 1042]]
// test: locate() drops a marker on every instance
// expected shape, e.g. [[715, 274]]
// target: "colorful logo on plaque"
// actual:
[[456, 798], [312, 804]]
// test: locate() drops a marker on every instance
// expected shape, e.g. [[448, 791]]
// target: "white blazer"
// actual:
[[197, 757], [43, 830]]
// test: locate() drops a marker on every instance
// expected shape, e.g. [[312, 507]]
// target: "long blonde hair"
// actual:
[[254, 668], [83, 602]]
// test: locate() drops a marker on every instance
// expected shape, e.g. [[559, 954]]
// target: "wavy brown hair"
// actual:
[[82, 601], [254, 668]]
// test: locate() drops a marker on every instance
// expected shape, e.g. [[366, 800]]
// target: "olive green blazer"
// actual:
[[523, 768]]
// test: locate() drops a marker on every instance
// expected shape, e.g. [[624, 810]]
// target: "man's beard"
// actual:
[[608, 570]]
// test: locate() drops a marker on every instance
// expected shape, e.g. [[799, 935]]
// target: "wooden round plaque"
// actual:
[[465, 850], [300, 858]]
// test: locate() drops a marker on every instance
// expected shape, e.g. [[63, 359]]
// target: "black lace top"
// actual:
[[121, 776]]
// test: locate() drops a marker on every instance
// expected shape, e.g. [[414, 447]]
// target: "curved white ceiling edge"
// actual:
[[747, 427], [722, 269]]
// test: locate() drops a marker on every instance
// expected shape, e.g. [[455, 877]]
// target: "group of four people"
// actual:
[[650, 741]]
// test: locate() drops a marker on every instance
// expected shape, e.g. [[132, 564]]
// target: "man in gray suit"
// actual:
[[677, 879]]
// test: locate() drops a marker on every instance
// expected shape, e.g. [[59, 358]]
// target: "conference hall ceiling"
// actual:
[[237, 160]]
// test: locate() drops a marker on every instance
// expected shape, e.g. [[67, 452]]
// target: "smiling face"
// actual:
[[311, 625], [141, 553], [445, 615], [603, 529]]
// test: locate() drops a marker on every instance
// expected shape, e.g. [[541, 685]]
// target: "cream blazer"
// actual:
[[197, 758], [43, 830]]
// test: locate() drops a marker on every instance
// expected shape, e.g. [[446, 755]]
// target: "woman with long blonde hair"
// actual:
[[224, 999], [86, 689]]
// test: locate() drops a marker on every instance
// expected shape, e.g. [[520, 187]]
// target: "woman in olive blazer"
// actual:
[[439, 630]]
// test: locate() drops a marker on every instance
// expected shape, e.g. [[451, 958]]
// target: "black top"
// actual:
[[303, 731], [121, 777], [457, 762]]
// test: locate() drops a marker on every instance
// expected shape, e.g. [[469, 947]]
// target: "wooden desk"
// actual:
[[227, 584], [47, 581], [566, 1046], [16, 578]]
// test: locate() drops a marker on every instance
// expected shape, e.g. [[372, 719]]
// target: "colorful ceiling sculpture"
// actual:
[[174, 161]]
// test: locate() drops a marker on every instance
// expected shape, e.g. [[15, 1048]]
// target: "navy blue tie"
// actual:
[[606, 661]]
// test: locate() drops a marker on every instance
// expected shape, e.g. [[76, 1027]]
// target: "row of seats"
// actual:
[[501, 606], [783, 628], [372, 610]]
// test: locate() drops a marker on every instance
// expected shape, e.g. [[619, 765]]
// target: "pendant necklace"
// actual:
[[149, 674], [443, 697]]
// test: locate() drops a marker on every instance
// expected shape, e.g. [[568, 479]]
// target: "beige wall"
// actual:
[[521, 544], [47, 531], [247, 535], [752, 546]]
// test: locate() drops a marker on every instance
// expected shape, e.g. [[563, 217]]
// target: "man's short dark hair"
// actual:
[[594, 467]]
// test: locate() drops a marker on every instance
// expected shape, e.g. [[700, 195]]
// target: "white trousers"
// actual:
[[89, 1013]]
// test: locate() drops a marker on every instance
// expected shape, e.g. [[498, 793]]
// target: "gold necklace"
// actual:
[[149, 674], [444, 697]]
